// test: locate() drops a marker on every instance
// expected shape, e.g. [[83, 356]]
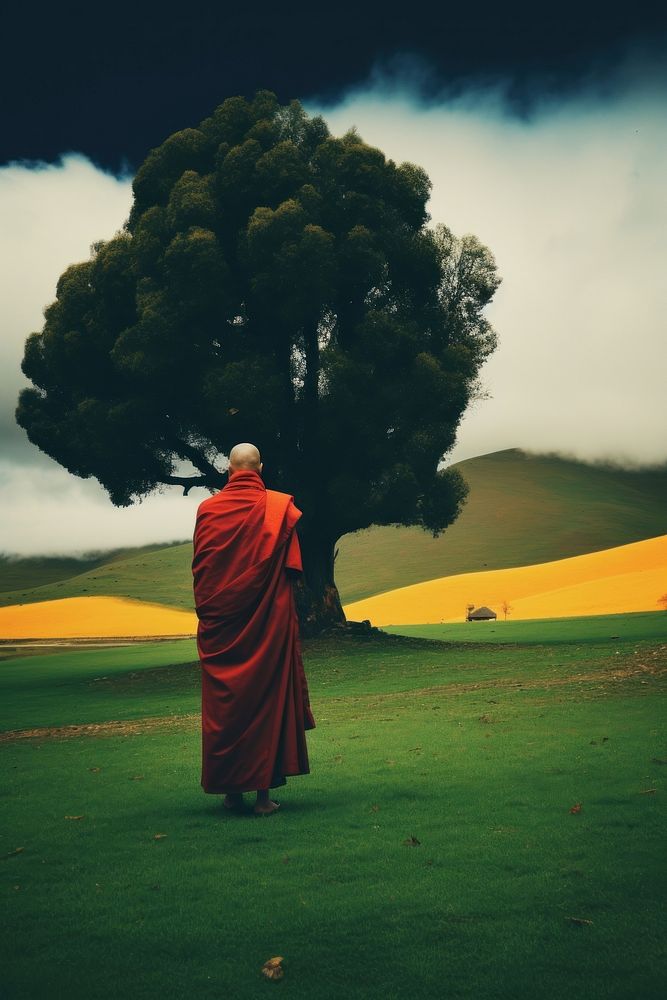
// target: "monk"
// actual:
[[255, 702]]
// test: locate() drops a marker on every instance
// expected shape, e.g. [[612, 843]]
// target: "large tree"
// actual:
[[278, 285]]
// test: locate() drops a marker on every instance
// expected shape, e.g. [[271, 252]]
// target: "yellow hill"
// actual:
[[626, 578], [92, 618]]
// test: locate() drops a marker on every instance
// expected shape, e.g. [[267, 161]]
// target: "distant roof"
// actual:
[[482, 612]]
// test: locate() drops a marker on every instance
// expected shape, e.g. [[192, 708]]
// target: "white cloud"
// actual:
[[45, 510], [51, 213]]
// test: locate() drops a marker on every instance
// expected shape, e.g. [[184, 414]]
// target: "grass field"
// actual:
[[39, 571], [162, 576], [431, 852], [521, 509], [639, 626]]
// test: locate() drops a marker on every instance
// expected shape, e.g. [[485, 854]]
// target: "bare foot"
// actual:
[[233, 800], [266, 808]]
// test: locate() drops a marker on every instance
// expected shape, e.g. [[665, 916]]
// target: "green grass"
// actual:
[[521, 509], [162, 679], [162, 576], [478, 751], [27, 572], [74, 687], [592, 628]]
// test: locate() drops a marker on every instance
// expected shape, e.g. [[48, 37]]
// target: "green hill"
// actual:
[[162, 575], [24, 572], [521, 509]]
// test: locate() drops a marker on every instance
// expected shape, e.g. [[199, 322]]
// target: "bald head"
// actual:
[[244, 456]]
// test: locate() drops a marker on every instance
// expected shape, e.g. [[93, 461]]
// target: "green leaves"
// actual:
[[281, 246], [182, 151], [442, 500], [191, 202]]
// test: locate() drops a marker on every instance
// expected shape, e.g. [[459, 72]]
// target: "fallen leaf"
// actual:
[[579, 920], [272, 968], [74, 817], [412, 749], [648, 791], [137, 777], [17, 850], [159, 836], [412, 842], [374, 808], [576, 808], [94, 769]]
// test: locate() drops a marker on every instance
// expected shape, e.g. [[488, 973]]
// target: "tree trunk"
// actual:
[[317, 600]]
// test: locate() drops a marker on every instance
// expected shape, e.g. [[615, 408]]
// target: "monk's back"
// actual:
[[228, 534], [255, 705]]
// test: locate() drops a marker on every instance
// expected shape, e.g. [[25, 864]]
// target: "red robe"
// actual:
[[255, 703]]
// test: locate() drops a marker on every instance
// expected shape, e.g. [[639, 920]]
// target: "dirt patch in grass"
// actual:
[[615, 673], [643, 665], [115, 728]]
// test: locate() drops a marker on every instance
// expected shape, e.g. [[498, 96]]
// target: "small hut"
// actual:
[[482, 614]]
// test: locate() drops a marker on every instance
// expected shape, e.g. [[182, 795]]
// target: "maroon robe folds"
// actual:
[[255, 703]]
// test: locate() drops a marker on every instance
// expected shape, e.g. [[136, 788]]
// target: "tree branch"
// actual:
[[187, 482], [190, 453], [199, 461]]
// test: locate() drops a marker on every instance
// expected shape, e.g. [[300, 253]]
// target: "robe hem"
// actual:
[[241, 791]]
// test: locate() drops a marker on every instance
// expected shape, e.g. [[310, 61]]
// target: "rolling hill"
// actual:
[[628, 578], [522, 509], [21, 573], [94, 617]]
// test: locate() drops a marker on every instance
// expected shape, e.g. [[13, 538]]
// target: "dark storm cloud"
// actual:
[[113, 81]]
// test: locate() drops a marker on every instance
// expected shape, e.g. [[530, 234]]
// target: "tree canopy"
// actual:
[[274, 284]]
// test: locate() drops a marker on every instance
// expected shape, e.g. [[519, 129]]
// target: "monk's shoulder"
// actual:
[[283, 500], [278, 494], [212, 501]]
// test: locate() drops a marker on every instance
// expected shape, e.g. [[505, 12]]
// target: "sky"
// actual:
[[552, 152]]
